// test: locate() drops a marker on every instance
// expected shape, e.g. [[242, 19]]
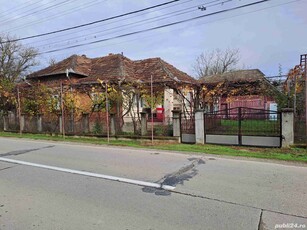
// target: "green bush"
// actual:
[[97, 129]]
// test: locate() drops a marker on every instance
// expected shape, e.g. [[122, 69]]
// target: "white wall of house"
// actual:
[[172, 101], [168, 103], [136, 102]]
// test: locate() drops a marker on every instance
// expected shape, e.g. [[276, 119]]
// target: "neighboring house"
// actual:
[[81, 71], [242, 88]]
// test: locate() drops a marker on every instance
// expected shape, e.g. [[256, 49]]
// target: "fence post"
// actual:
[[5, 122], [199, 127], [39, 123], [176, 123], [287, 127], [240, 126], [85, 122], [112, 124], [22, 122], [143, 123], [60, 123]]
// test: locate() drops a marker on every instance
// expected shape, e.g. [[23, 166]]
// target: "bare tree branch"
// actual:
[[216, 62], [15, 62]]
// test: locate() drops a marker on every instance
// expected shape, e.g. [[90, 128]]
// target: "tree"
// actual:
[[16, 61], [216, 62], [52, 61], [294, 89]]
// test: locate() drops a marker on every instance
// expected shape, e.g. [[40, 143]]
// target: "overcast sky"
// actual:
[[267, 34]]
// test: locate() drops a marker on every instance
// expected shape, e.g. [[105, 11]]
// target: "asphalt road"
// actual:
[[49, 185]]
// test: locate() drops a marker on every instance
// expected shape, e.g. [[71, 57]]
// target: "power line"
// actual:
[[71, 10], [158, 27], [7, 12], [38, 9], [115, 21], [172, 30], [94, 22], [142, 22]]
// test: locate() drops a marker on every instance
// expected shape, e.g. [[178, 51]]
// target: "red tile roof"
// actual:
[[81, 65], [116, 67]]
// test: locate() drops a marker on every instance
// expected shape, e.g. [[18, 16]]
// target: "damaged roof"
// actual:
[[116, 67], [80, 65], [251, 75]]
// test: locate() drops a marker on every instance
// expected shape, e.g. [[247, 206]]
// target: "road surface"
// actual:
[[50, 185]]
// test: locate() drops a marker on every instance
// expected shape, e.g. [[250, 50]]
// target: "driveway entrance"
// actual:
[[243, 126]]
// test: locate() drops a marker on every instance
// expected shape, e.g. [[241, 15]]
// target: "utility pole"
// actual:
[[19, 110], [72, 122], [62, 111], [107, 114], [303, 64], [151, 94]]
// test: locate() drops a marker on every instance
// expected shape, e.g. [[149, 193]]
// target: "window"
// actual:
[[207, 108], [56, 102], [215, 108], [138, 101]]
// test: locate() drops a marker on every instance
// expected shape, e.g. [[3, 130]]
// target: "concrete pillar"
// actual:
[[39, 123], [85, 122], [287, 127], [112, 124], [176, 123], [143, 123], [22, 122], [71, 124], [60, 124], [199, 127], [5, 122]]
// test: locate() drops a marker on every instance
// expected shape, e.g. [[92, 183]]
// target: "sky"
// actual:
[[270, 36]]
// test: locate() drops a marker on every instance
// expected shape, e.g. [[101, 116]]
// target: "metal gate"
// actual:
[[243, 126], [187, 129]]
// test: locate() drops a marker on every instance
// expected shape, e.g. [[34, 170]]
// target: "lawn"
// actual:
[[284, 154], [248, 127]]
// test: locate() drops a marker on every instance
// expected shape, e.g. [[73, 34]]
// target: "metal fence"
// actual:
[[1, 122], [243, 126], [95, 123], [300, 129], [187, 129]]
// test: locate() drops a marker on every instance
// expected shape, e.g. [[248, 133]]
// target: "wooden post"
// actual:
[[152, 131], [107, 109], [305, 73], [303, 64], [62, 109], [19, 111]]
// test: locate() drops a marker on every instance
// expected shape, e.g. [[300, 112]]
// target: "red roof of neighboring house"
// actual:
[[160, 70], [116, 67]]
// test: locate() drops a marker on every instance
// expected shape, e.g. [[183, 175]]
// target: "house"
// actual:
[[241, 88], [89, 76]]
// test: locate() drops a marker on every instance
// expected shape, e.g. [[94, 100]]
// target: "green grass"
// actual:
[[256, 124], [285, 154], [248, 127]]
